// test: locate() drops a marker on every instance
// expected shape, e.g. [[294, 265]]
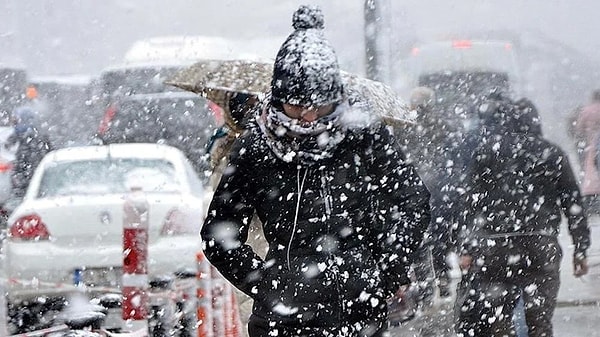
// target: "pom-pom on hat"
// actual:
[[306, 70]]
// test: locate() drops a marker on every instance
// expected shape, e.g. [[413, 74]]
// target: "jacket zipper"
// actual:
[[300, 186], [326, 195]]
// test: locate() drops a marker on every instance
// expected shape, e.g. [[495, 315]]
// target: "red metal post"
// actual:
[[236, 319], [135, 260], [204, 295], [218, 302]]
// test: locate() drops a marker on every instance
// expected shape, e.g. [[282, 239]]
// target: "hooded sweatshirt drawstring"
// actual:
[[300, 185]]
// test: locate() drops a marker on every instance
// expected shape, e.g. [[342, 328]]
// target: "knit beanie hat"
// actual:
[[497, 109], [528, 117], [306, 70]]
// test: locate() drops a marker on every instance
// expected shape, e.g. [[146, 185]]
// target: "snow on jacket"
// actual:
[[341, 232], [521, 185]]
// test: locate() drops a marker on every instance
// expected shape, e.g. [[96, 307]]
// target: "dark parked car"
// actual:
[[180, 119], [140, 78], [132, 79], [124, 80]]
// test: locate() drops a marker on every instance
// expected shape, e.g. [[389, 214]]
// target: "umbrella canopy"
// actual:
[[381, 99], [219, 80]]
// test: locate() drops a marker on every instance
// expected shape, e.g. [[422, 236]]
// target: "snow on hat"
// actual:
[[306, 70]]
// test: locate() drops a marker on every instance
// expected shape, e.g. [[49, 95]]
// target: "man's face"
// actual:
[[307, 114]]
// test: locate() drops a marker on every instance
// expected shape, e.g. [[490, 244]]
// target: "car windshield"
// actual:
[[98, 177]]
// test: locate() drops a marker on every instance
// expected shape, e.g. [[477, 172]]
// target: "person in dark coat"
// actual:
[[341, 210], [427, 149], [521, 185], [32, 146]]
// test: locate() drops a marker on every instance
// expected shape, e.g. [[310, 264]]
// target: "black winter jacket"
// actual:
[[341, 232], [521, 184]]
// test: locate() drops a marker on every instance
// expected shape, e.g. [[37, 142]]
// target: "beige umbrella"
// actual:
[[233, 75], [218, 80], [381, 99]]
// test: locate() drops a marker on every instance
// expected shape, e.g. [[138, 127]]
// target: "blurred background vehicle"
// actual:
[[63, 107], [180, 119], [132, 103], [129, 79], [462, 71], [71, 219]]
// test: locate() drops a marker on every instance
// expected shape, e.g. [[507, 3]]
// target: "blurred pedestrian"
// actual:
[[426, 146], [577, 138], [521, 185], [237, 109], [588, 129], [32, 146], [342, 211]]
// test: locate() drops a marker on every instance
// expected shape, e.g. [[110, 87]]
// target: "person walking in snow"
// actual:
[[341, 210], [521, 185], [426, 147], [587, 129], [32, 146]]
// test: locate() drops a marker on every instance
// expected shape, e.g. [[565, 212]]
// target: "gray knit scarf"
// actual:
[[307, 143]]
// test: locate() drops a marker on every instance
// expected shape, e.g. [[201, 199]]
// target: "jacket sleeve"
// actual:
[[469, 202], [400, 208], [570, 201], [225, 230]]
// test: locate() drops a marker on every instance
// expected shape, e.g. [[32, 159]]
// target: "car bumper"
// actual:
[[50, 270]]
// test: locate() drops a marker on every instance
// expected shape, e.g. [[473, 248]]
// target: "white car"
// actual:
[[69, 227]]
